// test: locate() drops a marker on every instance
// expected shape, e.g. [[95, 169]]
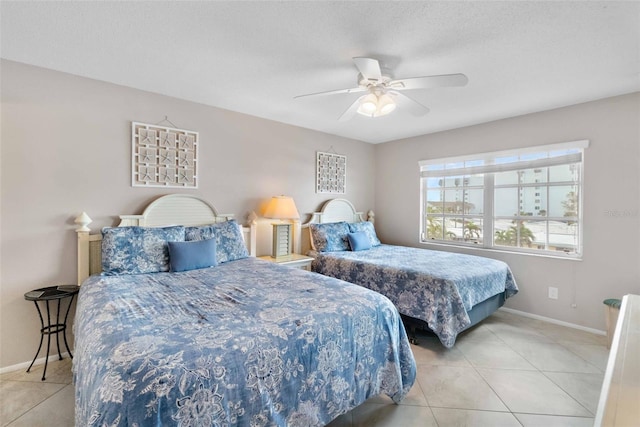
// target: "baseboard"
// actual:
[[554, 321], [25, 365]]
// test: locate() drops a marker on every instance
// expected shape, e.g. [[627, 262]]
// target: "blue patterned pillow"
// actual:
[[330, 237], [137, 250], [229, 241], [366, 227]]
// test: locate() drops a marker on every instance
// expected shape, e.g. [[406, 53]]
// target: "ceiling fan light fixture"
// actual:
[[376, 105], [382, 92], [368, 105], [386, 105]]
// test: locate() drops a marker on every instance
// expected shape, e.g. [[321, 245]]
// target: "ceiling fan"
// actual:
[[384, 94]]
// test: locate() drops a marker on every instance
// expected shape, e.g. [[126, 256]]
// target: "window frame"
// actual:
[[488, 215]]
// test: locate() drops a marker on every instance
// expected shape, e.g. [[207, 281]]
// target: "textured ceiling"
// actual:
[[254, 57]]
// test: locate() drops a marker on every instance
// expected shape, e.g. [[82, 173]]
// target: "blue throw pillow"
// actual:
[[192, 255], [367, 227], [359, 241]]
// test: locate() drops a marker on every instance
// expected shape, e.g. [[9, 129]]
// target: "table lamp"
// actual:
[[281, 207]]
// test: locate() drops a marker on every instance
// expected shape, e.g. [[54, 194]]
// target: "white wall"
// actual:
[[610, 266], [66, 148]]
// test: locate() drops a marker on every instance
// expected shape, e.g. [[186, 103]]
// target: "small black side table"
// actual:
[[48, 294]]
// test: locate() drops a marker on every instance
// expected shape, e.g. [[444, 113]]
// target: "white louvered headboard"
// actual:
[[173, 209], [334, 210]]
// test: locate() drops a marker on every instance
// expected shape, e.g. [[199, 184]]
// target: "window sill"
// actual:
[[501, 251]]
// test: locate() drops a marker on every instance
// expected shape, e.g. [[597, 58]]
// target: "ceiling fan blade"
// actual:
[[332, 92], [409, 104], [369, 68], [351, 111], [429, 82]]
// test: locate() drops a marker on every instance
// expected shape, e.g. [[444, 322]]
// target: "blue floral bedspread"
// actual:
[[246, 343], [434, 286]]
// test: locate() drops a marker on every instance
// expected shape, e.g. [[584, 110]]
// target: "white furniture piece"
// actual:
[[620, 395], [292, 260], [172, 209]]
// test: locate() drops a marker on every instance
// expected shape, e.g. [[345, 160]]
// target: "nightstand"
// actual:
[[292, 260], [52, 293]]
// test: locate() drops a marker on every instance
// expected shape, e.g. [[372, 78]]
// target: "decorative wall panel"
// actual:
[[163, 156], [331, 173]]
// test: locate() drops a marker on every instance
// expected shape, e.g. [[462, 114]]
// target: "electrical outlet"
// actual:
[[553, 292]]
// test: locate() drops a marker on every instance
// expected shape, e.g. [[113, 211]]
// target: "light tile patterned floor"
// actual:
[[507, 371]]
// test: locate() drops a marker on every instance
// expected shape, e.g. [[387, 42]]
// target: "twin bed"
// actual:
[[446, 292], [243, 342]]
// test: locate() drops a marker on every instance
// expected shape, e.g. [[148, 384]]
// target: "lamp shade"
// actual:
[[281, 207], [376, 104], [385, 105], [368, 105]]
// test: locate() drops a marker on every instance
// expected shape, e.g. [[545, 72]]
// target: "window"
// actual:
[[523, 200]]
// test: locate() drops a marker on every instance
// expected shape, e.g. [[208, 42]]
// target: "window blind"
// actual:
[[504, 161]]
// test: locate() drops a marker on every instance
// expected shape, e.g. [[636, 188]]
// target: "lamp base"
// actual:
[[281, 240]]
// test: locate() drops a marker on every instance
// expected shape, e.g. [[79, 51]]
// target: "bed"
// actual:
[[243, 342], [442, 291]]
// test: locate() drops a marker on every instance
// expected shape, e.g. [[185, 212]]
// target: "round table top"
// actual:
[[52, 292]]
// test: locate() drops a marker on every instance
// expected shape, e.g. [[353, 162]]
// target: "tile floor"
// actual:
[[507, 371]]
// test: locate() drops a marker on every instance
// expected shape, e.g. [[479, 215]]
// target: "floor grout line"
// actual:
[[30, 408], [566, 391], [434, 354], [554, 341]]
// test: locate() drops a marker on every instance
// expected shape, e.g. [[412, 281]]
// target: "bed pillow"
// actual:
[[366, 227], [137, 250], [359, 241], [229, 241], [330, 237], [184, 256]]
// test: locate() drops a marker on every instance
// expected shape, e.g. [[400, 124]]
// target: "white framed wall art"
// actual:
[[331, 173], [163, 156]]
